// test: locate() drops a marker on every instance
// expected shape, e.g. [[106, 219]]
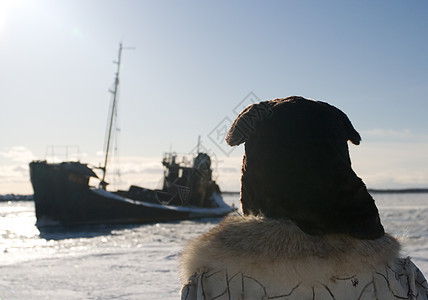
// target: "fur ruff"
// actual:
[[278, 250]]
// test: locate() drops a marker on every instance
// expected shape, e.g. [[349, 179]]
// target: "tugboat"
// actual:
[[63, 194]]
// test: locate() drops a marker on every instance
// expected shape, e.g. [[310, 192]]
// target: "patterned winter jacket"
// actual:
[[257, 258]]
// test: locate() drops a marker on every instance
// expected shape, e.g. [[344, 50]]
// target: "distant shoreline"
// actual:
[[15, 197], [399, 191], [374, 191], [18, 197]]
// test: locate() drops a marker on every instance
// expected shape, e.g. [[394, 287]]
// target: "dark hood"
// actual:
[[297, 166]]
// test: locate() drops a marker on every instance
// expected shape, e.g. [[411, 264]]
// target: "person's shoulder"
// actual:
[[250, 244]]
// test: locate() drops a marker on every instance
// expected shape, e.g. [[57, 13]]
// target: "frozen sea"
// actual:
[[141, 261]]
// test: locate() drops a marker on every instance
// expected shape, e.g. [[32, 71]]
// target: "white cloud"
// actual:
[[387, 164], [13, 173], [381, 164], [15, 179], [14, 170], [404, 135], [18, 154], [392, 158], [100, 153]]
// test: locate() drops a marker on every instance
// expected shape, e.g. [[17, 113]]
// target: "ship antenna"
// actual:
[[199, 144], [103, 184]]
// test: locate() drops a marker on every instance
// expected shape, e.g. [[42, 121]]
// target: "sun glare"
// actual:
[[7, 10]]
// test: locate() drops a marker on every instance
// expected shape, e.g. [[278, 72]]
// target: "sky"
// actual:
[[193, 66]]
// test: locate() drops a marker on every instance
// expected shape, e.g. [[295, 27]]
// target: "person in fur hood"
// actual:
[[310, 229]]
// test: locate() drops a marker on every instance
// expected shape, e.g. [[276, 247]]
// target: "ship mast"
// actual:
[[103, 184]]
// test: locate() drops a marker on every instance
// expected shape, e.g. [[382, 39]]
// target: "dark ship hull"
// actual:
[[63, 196]]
